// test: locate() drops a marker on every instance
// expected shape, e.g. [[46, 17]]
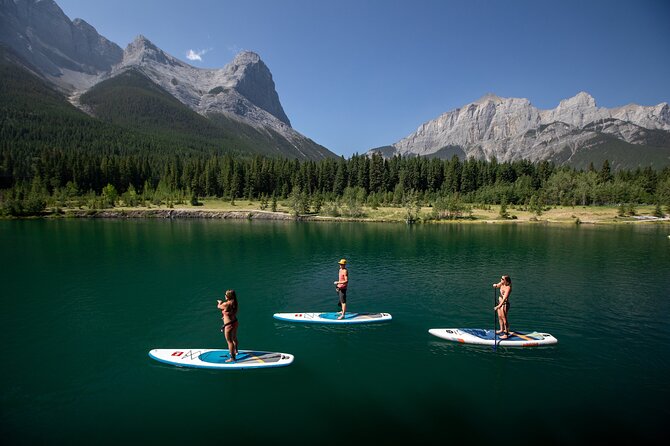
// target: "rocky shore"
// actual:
[[206, 214], [558, 216], [183, 213]]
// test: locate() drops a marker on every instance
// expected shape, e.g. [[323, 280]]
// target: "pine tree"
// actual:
[[503, 208], [605, 174]]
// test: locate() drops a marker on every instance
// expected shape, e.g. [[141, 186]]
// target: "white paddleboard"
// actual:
[[332, 318], [486, 337], [207, 358]]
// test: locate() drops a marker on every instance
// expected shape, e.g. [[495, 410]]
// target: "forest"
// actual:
[[32, 181]]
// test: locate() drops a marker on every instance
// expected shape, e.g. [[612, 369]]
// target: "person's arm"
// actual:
[[221, 304]]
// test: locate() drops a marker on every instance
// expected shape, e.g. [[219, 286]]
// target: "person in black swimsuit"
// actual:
[[502, 308], [229, 309]]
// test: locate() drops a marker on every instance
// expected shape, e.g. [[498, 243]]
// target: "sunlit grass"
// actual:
[[475, 214]]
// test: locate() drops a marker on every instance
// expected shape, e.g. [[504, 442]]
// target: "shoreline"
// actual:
[[560, 216], [171, 214]]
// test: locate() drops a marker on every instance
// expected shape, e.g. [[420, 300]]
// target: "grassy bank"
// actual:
[[477, 214]]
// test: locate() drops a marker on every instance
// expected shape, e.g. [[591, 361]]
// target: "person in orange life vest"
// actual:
[[341, 287]]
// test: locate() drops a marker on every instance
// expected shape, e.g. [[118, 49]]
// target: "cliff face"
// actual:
[[253, 80], [243, 88], [39, 32], [512, 128]]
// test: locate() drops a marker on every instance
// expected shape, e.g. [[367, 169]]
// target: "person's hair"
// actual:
[[508, 280], [230, 295]]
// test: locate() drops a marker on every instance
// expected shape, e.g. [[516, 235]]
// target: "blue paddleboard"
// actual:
[[332, 318], [489, 337], [205, 358]]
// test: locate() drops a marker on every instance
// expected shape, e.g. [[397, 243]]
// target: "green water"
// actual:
[[84, 301]]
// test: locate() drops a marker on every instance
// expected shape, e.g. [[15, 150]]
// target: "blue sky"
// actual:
[[358, 74]]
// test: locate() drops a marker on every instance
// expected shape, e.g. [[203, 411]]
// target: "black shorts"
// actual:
[[342, 294]]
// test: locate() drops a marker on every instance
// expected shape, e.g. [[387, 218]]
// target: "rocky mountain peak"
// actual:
[[580, 100], [142, 42], [140, 45], [143, 50], [578, 111], [488, 97], [253, 79], [246, 58]]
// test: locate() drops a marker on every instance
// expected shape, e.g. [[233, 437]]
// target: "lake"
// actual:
[[85, 300]]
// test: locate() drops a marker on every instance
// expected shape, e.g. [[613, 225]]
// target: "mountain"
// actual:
[[238, 101], [240, 94], [576, 133], [69, 54], [38, 118]]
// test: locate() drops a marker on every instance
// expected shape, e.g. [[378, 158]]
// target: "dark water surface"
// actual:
[[84, 301]]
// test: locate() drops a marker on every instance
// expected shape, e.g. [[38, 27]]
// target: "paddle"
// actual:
[[495, 313]]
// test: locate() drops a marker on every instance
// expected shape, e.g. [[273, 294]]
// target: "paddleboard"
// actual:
[[332, 318], [485, 337], [207, 358]]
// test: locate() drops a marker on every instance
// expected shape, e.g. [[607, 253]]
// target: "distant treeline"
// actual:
[[31, 180]]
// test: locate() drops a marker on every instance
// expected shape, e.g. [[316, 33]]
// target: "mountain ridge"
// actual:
[[512, 128]]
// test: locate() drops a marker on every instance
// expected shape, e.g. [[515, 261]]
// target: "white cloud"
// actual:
[[196, 55]]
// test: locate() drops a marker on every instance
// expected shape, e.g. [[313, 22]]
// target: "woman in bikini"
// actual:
[[229, 309], [502, 308]]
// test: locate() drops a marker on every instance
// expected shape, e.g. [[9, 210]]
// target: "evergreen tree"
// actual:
[[317, 202], [376, 173], [503, 208], [469, 176], [340, 178], [605, 174]]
